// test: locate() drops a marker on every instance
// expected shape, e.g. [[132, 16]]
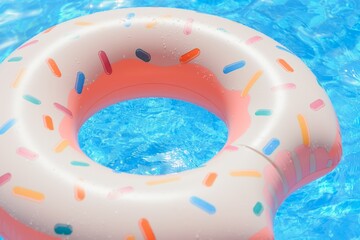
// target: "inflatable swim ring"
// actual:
[[283, 132]]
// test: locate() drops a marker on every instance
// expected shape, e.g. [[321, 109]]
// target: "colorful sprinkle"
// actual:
[[61, 146], [255, 174], [127, 22], [271, 146], [188, 26], [162, 181], [210, 179], [187, 57], [285, 65], [5, 178], [26, 153], [28, 193], [28, 44], [15, 59], [231, 148], [79, 192], [234, 66], [7, 125], [117, 193], [80, 80], [251, 83], [151, 24], [304, 130], [285, 86], [49, 29], [63, 229], [253, 40], [80, 23], [79, 164], [283, 48], [48, 122], [146, 229], [130, 237], [63, 109], [32, 99], [105, 62], [54, 67], [145, 56], [317, 104], [203, 205], [263, 112], [258, 209], [18, 78]]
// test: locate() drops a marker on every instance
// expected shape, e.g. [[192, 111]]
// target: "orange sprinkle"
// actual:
[[61, 146], [151, 24], [210, 179], [251, 82], [246, 174], [187, 57], [18, 78], [79, 193], [54, 67], [130, 237], [162, 181], [146, 229], [304, 130], [49, 29], [27, 193], [285, 65], [48, 122], [79, 23]]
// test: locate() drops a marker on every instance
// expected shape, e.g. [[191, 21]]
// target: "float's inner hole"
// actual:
[[152, 136]]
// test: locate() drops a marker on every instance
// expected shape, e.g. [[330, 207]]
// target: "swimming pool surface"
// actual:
[[325, 34]]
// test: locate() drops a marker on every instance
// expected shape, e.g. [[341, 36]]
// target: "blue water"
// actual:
[[152, 136], [325, 34]]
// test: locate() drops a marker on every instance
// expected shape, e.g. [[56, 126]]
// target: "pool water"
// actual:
[[325, 34]]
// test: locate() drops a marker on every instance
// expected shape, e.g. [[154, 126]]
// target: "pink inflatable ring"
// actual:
[[283, 132]]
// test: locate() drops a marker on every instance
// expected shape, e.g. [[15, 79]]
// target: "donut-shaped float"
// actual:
[[283, 132]]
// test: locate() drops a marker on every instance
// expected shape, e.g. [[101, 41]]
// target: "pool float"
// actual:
[[283, 132]]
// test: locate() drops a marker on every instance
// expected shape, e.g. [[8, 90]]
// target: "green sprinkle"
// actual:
[[32, 99], [79, 164], [258, 209], [263, 112]]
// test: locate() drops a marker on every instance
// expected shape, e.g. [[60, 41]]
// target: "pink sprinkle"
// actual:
[[26, 153], [105, 62], [63, 109], [317, 104], [286, 86], [28, 44], [117, 193], [188, 26], [253, 40], [231, 148], [5, 178]]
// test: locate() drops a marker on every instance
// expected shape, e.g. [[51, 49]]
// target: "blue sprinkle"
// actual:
[[32, 99], [234, 66], [80, 80], [128, 18], [258, 208], [263, 112], [79, 164], [284, 49], [15, 59], [6, 126], [203, 205], [143, 55], [271, 146], [63, 229]]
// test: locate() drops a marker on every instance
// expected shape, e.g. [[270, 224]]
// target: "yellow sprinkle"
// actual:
[[61, 146], [251, 82], [18, 78], [246, 174], [151, 24], [304, 130], [162, 181], [27, 193]]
